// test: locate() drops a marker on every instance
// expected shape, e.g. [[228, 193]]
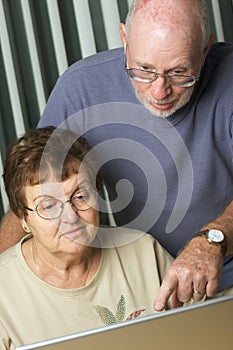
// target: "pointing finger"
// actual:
[[162, 297]]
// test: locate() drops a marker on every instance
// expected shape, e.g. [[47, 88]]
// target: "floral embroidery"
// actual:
[[108, 317]]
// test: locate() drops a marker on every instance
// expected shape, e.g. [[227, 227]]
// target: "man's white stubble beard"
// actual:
[[148, 102]]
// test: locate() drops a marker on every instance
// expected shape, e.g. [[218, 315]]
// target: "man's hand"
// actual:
[[10, 231], [195, 272]]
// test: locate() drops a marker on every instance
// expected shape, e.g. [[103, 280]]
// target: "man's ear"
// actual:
[[122, 34], [211, 40]]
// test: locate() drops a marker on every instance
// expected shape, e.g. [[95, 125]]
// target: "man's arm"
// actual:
[[10, 231], [198, 267]]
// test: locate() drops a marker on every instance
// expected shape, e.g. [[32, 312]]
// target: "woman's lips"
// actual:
[[74, 234]]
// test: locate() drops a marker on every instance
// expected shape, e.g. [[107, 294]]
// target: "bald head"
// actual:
[[189, 17]]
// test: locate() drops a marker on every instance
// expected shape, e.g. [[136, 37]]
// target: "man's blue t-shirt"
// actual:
[[167, 176]]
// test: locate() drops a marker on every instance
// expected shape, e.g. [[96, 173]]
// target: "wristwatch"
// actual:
[[214, 236]]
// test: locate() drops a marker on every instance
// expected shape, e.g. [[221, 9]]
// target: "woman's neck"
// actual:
[[71, 272]]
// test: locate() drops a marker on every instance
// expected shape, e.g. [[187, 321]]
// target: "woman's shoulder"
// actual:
[[123, 237], [7, 257], [12, 254]]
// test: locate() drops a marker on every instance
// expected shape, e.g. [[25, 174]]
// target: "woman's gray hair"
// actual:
[[202, 12]]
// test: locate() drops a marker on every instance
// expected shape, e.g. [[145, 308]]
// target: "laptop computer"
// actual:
[[207, 325]]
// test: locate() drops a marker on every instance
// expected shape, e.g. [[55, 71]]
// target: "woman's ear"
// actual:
[[25, 226]]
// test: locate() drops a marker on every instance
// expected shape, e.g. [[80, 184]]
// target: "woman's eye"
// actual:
[[48, 205], [80, 196]]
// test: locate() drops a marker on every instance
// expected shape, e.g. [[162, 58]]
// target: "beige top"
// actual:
[[124, 287]]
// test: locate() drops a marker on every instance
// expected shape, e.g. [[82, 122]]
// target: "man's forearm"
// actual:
[[225, 223], [10, 231]]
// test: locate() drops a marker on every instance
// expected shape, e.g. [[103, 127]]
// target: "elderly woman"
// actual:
[[68, 274]]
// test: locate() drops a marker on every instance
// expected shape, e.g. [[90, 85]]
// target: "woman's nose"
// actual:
[[69, 213]]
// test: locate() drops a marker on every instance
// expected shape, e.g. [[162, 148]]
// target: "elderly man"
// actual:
[[159, 113]]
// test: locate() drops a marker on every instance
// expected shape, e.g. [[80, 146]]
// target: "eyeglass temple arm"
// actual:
[[28, 208]]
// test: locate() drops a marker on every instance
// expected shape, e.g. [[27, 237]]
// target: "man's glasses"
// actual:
[[52, 208], [147, 76]]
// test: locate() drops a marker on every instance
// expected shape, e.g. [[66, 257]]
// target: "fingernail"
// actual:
[[158, 306]]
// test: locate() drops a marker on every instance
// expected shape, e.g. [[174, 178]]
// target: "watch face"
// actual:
[[215, 236]]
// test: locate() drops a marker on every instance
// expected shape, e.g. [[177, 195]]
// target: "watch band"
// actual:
[[222, 244]]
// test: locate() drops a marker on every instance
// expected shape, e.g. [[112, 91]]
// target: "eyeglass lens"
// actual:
[[51, 208], [147, 76]]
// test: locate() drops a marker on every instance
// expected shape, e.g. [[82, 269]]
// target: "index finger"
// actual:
[[164, 293]]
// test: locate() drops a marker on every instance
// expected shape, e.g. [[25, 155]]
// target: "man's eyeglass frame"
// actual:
[[131, 73]]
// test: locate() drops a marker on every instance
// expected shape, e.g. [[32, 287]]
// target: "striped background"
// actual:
[[41, 38]]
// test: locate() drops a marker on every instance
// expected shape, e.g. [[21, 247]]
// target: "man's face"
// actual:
[[163, 52], [173, 98]]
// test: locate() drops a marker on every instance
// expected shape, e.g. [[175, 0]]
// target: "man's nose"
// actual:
[[160, 88]]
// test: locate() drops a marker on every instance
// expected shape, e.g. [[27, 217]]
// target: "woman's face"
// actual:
[[73, 231]]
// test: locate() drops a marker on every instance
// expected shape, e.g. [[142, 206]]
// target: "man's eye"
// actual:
[[145, 68], [179, 72]]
